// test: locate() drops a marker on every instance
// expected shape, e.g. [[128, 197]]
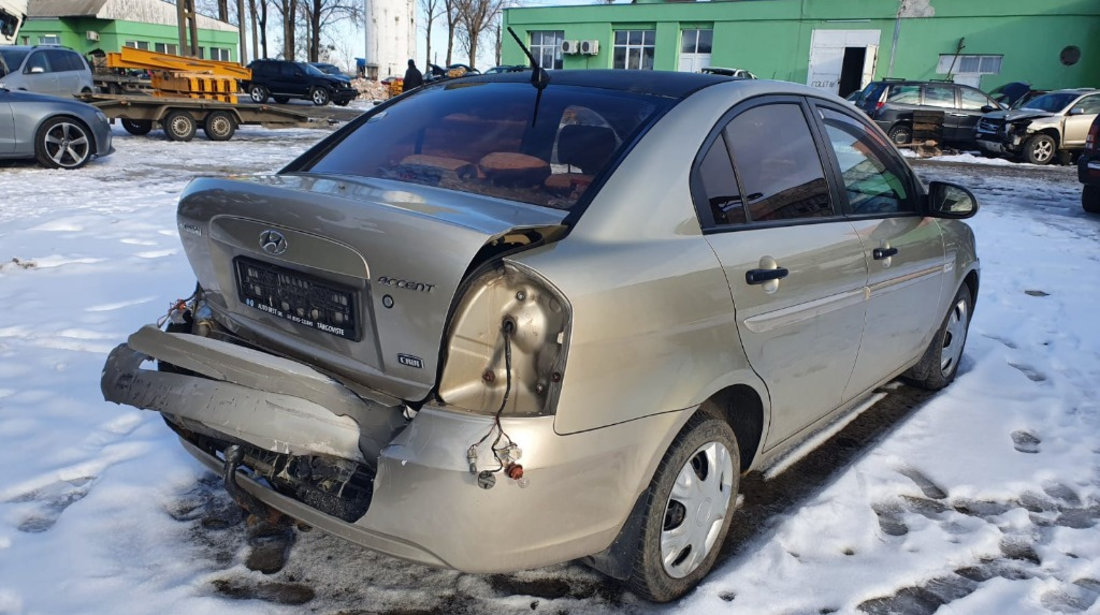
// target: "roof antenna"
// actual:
[[539, 77]]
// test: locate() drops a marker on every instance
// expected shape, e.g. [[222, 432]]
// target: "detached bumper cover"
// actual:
[[426, 505]]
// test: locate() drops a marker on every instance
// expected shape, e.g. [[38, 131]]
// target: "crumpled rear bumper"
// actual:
[[426, 505]]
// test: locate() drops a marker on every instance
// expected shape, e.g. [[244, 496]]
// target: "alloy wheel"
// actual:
[[67, 144]]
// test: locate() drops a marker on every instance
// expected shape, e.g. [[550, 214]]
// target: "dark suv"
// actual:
[[891, 104], [283, 80], [1088, 169]]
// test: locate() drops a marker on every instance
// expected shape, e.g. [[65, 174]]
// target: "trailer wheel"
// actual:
[[219, 126], [137, 127], [179, 126]]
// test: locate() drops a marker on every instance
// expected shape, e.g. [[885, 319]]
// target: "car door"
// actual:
[[7, 125], [941, 97], [903, 249], [969, 112], [794, 266], [1078, 120], [65, 71], [38, 76]]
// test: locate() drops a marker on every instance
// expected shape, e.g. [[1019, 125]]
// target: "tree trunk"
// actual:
[[263, 28], [223, 10], [288, 28], [315, 34], [429, 50], [255, 30]]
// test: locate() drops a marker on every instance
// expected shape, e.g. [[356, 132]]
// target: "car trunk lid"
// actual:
[[355, 276]]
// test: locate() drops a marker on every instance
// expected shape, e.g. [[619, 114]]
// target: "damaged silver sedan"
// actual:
[[491, 326]]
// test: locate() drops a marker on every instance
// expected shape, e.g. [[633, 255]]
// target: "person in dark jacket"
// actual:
[[413, 77]]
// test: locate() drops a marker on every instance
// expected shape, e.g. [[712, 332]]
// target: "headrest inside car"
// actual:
[[587, 147]]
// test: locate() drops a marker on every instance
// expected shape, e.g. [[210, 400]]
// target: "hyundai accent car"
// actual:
[[503, 322], [57, 132]]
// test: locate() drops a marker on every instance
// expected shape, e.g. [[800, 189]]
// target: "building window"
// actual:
[[546, 47], [200, 53], [969, 65], [634, 49], [49, 39], [137, 44], [219, 53], [169, 48], [695, 49]]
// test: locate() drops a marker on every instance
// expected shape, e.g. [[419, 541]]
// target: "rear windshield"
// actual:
[[11, 59], [486, 138]]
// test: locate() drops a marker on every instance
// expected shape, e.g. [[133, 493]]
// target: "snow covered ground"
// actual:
[[982, 499]]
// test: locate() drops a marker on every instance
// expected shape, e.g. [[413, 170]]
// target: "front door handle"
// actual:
[[759, 276], [881, 253]]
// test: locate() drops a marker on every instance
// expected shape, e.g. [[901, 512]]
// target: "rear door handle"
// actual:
[[759, 276], [881, 253]]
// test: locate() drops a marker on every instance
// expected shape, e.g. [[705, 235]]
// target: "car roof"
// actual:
[[668, 84]]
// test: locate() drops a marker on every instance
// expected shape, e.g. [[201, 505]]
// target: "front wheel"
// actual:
[[63, 143], [688, 509], [319, 96], [1039, 149], [940, 363]]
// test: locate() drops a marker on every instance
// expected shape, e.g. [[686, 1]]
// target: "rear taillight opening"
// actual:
[[1093, 138]]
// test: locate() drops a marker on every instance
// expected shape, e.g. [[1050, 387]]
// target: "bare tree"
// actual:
[[450, 9], [258, 10], [223, 10], [318, 15], [431, 11], [474, 16], [288, 11]]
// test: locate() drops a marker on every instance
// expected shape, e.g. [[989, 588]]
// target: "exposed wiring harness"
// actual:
[[505, 451]]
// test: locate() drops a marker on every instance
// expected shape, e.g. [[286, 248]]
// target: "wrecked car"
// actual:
[[491, 326], [1046, 127]]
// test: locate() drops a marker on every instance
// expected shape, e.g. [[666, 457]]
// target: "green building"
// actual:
[[108, 25], [836, 45]]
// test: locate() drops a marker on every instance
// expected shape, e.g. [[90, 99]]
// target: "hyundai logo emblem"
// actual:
[[273, 242]]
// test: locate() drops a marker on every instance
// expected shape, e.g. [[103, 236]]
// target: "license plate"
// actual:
[[300, 298]]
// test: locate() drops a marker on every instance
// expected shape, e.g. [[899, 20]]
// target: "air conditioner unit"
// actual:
[[570, 47], [92, 35], [590, 48]]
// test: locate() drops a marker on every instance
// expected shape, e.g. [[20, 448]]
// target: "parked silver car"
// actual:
[[493, 326], [46, 69], [1043, 128], [58, 132]]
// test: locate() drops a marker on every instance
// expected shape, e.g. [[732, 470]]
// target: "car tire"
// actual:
[[940, 363], [179, 126], [257, 93], [219, 126], [684, 525], [137, 127], [1040, 149], [63, 143], [1090, 199], [900, 134], [319, 96], [282, 100]]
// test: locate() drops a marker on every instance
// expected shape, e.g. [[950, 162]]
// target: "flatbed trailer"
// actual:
[[181, 117]]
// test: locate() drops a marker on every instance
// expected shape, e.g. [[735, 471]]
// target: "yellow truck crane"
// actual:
[[187, 93]]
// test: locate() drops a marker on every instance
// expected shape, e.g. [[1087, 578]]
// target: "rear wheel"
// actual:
[[901, 134], [319, 96], [137, 127], [257, 93], [1090, 199], [688, 509], [940, 363], [1040, 149], [219, 126], [179, 126], [63, 143]]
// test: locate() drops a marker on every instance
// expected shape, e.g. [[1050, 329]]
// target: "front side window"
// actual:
[[37, 63], [974, 100], [546, 47], [1090, 105], [780, 174], [634, 49], [872, 186], [939, 96], [487, 138]]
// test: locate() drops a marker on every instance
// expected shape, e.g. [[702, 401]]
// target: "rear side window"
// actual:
[[939, 96], [904, 94], [61, 60], [780, 174], [720, 185]]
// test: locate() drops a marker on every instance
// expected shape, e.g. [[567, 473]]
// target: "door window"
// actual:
[[974, 100], [872, 182], [37, 63], [1091, 105], [719, 185], [939, 96], [61, 60], [780, 174], [904, 94]]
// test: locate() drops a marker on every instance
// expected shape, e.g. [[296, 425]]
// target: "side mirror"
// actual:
[[1076, 111], [988, 108], [36, 70], [950, 201]]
